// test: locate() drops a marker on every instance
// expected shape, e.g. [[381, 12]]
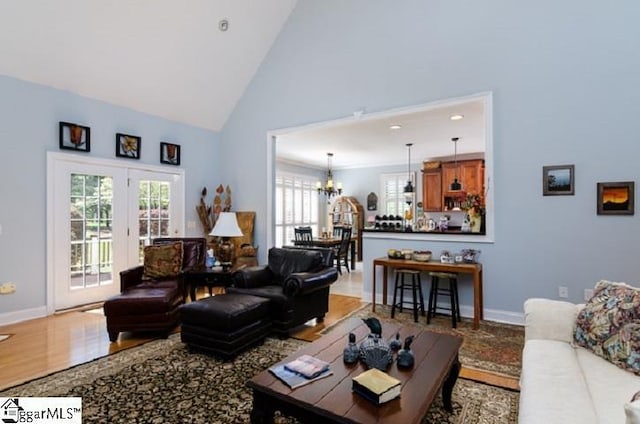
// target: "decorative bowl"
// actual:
[[422, 255], [395, 254], [406, 254]]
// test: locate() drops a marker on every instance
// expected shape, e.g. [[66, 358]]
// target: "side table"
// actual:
[[208, 277]]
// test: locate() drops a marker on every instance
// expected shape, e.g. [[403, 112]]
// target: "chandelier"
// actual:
[[328, 189]]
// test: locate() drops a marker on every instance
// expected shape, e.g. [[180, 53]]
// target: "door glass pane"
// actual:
[[153, 212], [91, 258]]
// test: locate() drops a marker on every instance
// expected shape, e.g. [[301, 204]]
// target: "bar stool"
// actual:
[[415, 287], [451, 291]]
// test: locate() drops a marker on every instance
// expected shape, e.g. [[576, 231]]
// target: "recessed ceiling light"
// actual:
[[395, 127], [223, 25], [456, 117]]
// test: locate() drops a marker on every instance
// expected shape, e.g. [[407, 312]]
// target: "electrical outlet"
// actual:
[[7, 288], [563, 292], [588, 293]]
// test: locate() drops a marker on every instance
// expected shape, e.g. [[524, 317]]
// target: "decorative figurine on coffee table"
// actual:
[[395, 344], [374, 350], [405, 356], [351, 353]]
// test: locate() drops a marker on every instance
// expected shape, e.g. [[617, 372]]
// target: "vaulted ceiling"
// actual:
[[167, 58]]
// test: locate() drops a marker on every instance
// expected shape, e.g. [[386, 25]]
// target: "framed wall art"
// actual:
[[616, 198], [128, 146], [170, 153], [75, 137], [558, 180]]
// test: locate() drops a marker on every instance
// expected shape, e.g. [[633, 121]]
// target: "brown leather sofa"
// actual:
[[152, 304], [295, 280]]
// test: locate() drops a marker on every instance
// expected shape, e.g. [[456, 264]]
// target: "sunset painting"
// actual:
[[615, 198]]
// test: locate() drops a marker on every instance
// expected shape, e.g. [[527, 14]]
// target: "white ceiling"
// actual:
[[163, 57], [368, 141]]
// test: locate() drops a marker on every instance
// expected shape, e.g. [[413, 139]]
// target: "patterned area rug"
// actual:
[[495, 347], [161, 382]]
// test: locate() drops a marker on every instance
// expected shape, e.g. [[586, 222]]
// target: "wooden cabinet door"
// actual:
[[432, 191], [448, 175], [472, 172]]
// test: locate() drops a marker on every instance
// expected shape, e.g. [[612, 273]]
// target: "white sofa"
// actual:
[[564, 384]]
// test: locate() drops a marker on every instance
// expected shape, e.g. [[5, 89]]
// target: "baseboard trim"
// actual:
[[23, 315], [495, 315]]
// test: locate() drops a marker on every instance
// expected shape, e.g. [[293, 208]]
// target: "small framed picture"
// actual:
[[616, 198], [128, 146], [170, 153], [558, 180], [75, 137]]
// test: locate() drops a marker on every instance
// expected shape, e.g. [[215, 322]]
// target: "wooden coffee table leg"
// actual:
[[262, 412], [447, 388]]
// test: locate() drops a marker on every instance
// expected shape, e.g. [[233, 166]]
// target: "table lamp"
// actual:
[[226, 227]]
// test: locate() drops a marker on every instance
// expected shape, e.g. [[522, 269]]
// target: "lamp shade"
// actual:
[[226, 226]]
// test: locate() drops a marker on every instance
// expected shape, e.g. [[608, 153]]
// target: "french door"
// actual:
[[100, 215]]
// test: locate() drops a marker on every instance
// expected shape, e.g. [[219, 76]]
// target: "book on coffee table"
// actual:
[[293, 379], [307, 366], [376, 386]]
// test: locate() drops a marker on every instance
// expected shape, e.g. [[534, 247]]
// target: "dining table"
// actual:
[[474, 269], [331, 242]]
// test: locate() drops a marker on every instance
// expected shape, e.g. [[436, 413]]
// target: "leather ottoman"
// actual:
[[156, 309], [225, 324]]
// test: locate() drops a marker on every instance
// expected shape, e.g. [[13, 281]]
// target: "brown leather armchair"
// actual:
[[152, 304], [297, 282]]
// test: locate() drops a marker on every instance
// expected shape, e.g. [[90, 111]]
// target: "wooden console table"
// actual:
[[463, 268]]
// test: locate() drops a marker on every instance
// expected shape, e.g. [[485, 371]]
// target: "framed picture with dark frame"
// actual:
[[128, 146], [75, 137], [558, 180], [170, 153], [616, 198]]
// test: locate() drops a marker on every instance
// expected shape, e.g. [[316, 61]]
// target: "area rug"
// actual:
[[494, 347], [161, 382]]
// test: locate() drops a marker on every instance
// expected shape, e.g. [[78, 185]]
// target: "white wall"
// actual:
[[564, 77], [30, 115]]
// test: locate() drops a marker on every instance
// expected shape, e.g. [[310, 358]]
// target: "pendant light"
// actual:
[[408, 188], [455, 185]]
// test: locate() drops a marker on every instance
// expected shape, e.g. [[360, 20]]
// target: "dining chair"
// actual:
[[341, 256], [337, 231], [303, 236]]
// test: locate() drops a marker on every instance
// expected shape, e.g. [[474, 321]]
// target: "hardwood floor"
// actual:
[[45, 345], [339, 306]]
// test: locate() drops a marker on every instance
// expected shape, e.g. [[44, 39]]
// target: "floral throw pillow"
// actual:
[[163, 260], [609, 325], [632, 410]]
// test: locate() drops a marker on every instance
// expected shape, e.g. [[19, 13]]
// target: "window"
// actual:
[[154, 213], [296, 205], [392, 188], [90, 256]]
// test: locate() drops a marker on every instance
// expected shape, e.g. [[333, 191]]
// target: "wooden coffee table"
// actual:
[[331, 400]]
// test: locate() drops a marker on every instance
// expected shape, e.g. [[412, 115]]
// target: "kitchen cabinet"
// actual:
[[432, 189], [470, 175]]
